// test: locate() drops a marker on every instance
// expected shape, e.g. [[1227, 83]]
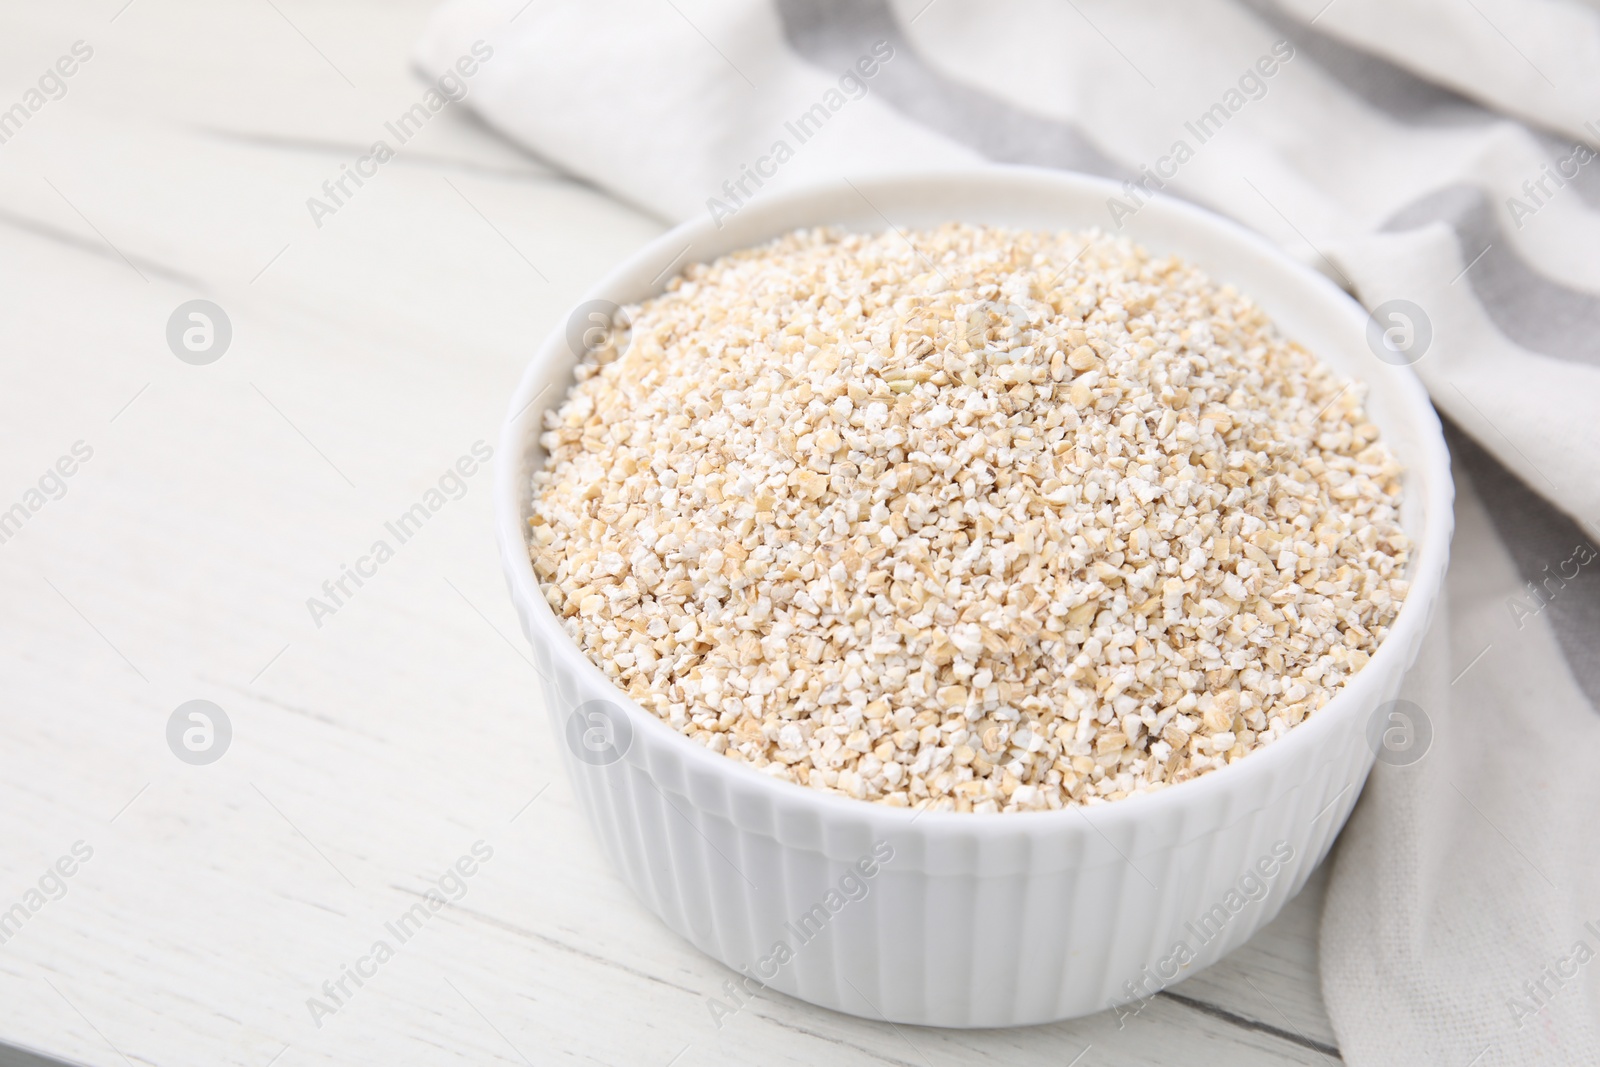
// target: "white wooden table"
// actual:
[[371, 752]]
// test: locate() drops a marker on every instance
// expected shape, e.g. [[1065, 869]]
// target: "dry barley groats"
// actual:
[[981, 520]]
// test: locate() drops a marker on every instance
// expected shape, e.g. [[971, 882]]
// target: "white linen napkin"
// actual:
[[1436, 159]]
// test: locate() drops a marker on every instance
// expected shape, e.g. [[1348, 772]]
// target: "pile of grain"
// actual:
[[975, 519]]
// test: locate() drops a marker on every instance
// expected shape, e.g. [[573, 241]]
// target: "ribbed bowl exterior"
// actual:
[[974, 920]]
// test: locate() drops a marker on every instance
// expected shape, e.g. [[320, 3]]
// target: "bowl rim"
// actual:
[[1431, 480]]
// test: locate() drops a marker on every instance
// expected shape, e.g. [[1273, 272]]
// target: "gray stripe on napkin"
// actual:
[[1383, 85], [1533, 310], [1586, 182], [1547, 547], [1409, 99], [835, 33], [1536, 312]]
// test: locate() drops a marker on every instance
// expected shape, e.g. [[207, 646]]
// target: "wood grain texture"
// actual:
[[371, 752]]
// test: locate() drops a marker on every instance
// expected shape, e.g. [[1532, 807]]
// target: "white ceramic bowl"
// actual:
[[976, 920]]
